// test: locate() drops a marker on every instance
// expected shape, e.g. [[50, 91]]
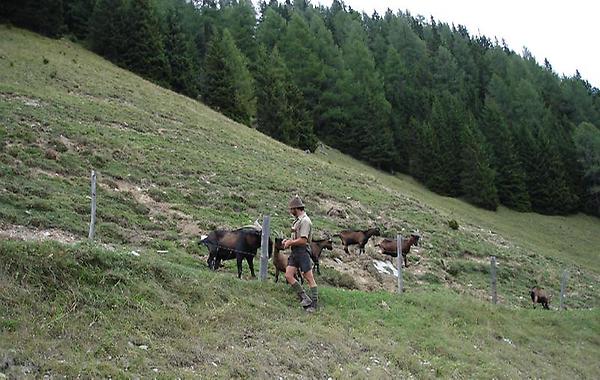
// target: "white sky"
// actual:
[[564, 32]]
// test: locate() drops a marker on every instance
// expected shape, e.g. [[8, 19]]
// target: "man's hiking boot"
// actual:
[[312, 307], [305, 300]]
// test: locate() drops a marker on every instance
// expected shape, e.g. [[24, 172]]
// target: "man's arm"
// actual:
[[301, 241]]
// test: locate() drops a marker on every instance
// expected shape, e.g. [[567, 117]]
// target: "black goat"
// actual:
[[239, 244]]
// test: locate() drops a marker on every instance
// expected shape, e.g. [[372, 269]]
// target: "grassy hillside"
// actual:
[[171, 169]]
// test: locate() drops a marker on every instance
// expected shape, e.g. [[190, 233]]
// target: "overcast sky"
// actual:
[[565, 32]]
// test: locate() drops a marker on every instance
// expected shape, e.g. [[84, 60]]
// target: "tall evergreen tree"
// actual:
[[549, 193], [45, 17], [448, 118], [239, 17], [297, 48], [396, 84], [510, 176], [228, 84], [587, 141], [272, 110], [144, 52], [107, 28], [270, 31], [179, 52], [77, 15], [367, 134], [477, 177]]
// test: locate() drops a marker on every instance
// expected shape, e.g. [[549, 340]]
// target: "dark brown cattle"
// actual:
[[538, 295], [239, 244], [350, 237], [315, 251], [389, 246]]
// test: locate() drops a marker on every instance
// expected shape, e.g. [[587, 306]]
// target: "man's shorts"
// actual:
[[300, 259]]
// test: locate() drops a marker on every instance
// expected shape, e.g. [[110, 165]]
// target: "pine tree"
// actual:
[[477, 177], [367, 134], [228, 84], [107, 28], [297, 48], [144, 52], [178, 50], [45, 17], [239, 17], [396, 85], [549, 192], [587, 141], [448, 118], [272, 28], [422, 146], [77, 16], [272, 110], [510, 176]]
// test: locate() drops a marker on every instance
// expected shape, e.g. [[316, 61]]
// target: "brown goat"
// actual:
[[315, 251], [538, 295], [389, 246], [350, 237], [280, 260]]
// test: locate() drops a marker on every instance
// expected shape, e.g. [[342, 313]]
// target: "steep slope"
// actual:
[[171, 169]]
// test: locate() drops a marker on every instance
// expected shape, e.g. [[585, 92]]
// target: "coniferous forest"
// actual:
[[464, 114]]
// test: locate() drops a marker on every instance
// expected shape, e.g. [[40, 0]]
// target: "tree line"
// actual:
[[464, 114]]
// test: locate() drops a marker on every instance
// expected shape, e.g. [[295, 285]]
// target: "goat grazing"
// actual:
[[239, 244], [350, 237], [538, 295], [389, 246]]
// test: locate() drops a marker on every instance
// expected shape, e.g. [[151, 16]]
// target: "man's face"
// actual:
[[294, 212]]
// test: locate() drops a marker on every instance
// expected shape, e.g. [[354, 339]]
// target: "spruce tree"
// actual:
[[77, 16], [45, 17], [510, 176], [396, 85], [448, 118], [239, 17], [272, 110], [107, 28], [270, 31], [587, 141], [144, 52], [228, 84], [549, 191], [179, 52], [477, 176]]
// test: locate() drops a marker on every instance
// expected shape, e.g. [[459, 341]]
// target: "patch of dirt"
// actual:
[[363, 269], [186, 225], [26, 100], [15, 232]]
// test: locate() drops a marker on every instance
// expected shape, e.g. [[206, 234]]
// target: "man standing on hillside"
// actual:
[[300, 257]]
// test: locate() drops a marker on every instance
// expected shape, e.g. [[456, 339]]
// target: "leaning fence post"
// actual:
[[93, 219], [399, 262], [264, 251], [493, 272], [563, 285]]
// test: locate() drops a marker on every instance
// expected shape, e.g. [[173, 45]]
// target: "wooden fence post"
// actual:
[[93, 220], [563, 285], [493, 273], [264, 249], [399, 263]]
